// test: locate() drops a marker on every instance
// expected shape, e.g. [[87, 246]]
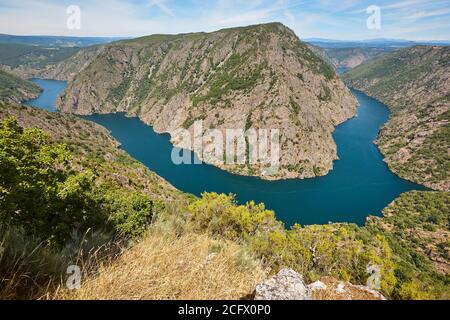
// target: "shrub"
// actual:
[[343, 251], [30, 269], [38, 190], [220, 215], [130, 212]]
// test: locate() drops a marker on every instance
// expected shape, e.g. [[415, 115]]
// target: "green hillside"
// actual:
[[413, 83]]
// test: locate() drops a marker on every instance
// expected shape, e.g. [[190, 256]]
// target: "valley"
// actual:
[[238, 237], [346, 188], [233, 78], [414, 83], [87, 131]]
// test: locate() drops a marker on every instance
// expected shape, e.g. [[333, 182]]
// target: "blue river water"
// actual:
[[359, 185]]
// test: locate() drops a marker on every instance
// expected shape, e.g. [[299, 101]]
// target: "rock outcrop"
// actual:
[[286, 285], [289, 285], [259, 77]]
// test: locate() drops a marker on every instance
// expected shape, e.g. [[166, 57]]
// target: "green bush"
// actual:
[[295, 107], [343, 251], [220, 215], [130, 212], [42, 193]]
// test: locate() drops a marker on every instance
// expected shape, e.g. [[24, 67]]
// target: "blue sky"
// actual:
[[333, 19]]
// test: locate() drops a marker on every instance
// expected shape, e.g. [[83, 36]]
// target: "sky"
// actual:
[[330, 19]]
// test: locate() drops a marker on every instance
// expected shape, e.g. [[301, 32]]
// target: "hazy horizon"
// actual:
[[304, 39]]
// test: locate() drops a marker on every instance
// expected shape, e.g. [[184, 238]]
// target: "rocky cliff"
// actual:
[[260, 77], [352, 57], [415, 84]]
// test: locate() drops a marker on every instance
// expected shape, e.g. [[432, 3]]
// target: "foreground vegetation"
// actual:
[[67, 196], [168, 266], [416, 226], [141, 239]]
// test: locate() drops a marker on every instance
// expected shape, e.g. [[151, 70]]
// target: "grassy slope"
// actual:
[[411, 240], [231, 272], [414, 84], [14, 89], [31, 269], [162, 267]]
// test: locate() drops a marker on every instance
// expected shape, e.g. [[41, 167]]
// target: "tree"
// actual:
[[38, 189]]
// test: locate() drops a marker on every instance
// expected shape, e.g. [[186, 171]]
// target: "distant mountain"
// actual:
[[389, 43], [56, 41], [34, 56], [60, 63], [344, 59], [414, 83], [345, 55]]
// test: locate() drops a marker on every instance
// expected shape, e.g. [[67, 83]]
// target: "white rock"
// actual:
[[318, 285], [340, 288], [286, 285]]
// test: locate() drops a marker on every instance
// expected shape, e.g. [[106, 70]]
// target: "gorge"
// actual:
[[359, 185]]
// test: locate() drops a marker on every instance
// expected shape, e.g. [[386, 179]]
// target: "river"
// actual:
[[359, 185]]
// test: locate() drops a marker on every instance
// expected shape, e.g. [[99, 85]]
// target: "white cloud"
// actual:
[[396, 5], [323, 18], [427, 14], [404, 4], [161, 4], [291, 19]]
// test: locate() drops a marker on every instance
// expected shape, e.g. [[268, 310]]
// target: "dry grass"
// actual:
[[191, 267], [29, 269], [347, 292]]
